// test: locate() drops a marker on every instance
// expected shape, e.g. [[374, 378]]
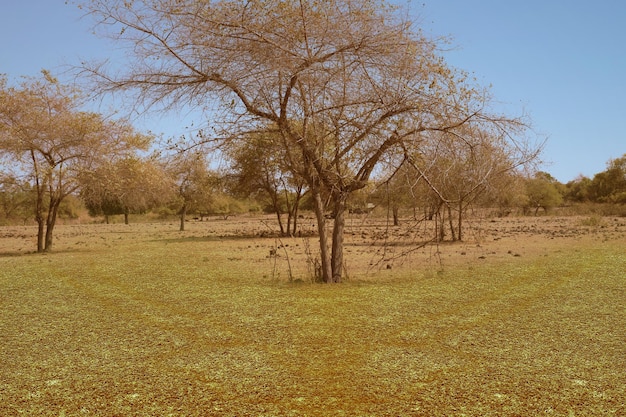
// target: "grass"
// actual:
[[192, 327]]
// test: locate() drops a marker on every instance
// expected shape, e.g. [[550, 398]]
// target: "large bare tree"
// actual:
[[346, 82]]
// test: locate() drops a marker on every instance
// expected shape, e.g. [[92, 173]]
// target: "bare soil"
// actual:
[[372, 244]]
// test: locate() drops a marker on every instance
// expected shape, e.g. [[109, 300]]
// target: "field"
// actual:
[[527, 317]]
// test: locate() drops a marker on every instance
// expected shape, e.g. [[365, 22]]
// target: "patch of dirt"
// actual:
[[371, 244]]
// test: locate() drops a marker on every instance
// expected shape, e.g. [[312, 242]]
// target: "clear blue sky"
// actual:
[[563, 62]]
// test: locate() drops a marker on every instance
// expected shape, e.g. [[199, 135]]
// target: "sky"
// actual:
[[562, 62]]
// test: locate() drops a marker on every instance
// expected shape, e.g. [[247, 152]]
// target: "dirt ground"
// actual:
[[371, 243]]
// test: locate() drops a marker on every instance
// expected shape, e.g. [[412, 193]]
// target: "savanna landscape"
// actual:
[[348, 226], [525, 317]]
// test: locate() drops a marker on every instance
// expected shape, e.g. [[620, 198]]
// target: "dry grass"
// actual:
[[147, 321]]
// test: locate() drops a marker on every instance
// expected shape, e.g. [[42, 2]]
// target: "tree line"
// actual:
[[55, 154]]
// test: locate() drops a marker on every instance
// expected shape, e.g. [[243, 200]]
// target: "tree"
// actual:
[[260, 168], [543, 192], [346, 83], [398, 191], [578, 190], [52, 141], [609, 186], [16, 198], [506, 192], [126, 185], [460, 172], [98, 190], [192, 180]]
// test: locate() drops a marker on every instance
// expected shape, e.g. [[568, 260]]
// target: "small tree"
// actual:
[[462, 171], [506, 193], [543, 192], [398, 191], [193, 182]]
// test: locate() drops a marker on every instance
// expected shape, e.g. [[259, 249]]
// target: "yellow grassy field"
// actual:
[[527, 317]]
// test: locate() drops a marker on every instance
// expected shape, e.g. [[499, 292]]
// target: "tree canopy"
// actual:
[[51, 141]]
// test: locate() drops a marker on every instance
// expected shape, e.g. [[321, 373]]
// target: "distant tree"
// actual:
[[261, 168], [609, 186], [398, 191], [543, 192], [224, 205], [363, 201], [347, 83], [124, 186], [506, 193], [52, 141], [192, 180], [16, 199], [578, 190], [461, 172]]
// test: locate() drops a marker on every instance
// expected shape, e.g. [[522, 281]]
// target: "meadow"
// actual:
[[525, 318]]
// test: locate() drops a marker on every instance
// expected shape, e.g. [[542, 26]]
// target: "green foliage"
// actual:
[[609, 186], [16, 200], [578, 190], [543, 192], [71, 207]]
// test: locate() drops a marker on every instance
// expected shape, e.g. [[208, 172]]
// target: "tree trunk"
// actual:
[[295, 210], [451, 222], [126, 212], [326, 273], [277, 211], [338, 229], [53, 210], [289, 207], [183, 214], [460, 224], [39, 187], [396, 218], [294, 226], [279, 218], [289, 221], [440, 229], [41, 227], [41, 222]]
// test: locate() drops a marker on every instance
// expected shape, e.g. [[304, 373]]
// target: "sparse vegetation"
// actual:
[[141, 319], [344, 118], [593, 221]]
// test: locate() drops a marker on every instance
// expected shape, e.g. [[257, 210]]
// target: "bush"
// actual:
[[593, 221]]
